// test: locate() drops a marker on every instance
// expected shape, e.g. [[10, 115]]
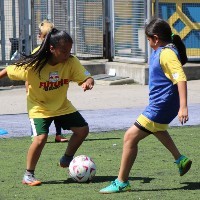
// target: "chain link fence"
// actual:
[[100, 29]]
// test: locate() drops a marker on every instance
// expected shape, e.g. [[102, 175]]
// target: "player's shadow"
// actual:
[[53, 142], [144, 180], [94, 139], [65, 181], [101, 179], [191, 186], [187, 186], [98, 179], [87, 140]]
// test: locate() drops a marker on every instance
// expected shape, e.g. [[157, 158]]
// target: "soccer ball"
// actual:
[[82, 169]]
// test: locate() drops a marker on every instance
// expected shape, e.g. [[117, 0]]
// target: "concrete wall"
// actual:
[[138, 72], [192, 71], [7, 82]]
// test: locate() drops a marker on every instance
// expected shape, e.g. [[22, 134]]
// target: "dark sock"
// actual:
[[69, 158], [30, 171]]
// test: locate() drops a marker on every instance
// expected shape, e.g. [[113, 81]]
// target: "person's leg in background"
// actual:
[[59, 137]]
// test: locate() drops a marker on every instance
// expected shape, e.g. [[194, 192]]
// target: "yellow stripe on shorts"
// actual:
[[151, 125]]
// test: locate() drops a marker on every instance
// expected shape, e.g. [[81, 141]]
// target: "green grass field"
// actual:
[[154, 175]]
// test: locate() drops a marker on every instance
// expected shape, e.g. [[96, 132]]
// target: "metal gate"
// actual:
[[15, 28], [99, 28], [82, 19], [129, 37], [9, 34]]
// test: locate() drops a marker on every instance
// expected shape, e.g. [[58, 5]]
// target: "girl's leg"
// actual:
[[182, 161], [33, 156], [59, 137], [35, 150], [77, 138], [166, 140], [58, 127], [130, 148]]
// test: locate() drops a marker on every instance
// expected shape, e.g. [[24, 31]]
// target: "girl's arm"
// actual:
[[183, 110], [3, 73], [88, 84]]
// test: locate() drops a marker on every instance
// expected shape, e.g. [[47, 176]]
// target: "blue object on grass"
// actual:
[[3, 132]]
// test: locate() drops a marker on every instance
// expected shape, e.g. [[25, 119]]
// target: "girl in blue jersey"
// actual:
[[167, 98]]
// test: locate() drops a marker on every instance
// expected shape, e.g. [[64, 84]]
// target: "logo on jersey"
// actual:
[[53, 77], [54, 82], [175, 76], [87, 73]]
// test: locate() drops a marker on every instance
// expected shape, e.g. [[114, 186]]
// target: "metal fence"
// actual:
[[129, 37], [82, 19], [9, 18], [111, 29], [15, 34]]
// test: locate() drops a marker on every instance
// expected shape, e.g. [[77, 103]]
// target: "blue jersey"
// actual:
[[163, 96]]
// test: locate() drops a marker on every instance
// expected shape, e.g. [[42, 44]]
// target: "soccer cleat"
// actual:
[[65, 161], [183, 164], [29, 179], [116, 186], [60, 138]]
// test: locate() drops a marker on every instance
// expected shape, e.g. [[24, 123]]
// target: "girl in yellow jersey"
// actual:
[[48, 72], [44, 28]]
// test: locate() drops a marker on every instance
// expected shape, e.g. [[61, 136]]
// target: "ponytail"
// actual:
[[176, 40], [38, 60]]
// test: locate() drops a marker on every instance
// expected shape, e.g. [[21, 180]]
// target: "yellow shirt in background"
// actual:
[[34, 50], [47, 96]]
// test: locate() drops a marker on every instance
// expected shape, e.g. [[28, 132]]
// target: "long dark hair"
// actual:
[[38, 60], [162, 29]]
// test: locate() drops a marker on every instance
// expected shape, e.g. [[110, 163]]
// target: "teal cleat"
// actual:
[[116, 186], [183, 164]]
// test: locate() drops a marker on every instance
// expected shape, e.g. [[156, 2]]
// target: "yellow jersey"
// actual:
[[47, 94]]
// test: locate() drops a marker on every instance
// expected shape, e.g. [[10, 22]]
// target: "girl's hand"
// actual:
[[183, 115], [183, 110], [88, 84]]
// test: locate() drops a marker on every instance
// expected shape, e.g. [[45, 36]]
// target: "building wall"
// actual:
[[184, 19]]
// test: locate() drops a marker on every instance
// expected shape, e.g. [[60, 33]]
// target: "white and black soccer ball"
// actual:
[[82, 169]]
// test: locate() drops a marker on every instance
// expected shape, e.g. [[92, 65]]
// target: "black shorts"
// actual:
[[41, 125], [138, 125]]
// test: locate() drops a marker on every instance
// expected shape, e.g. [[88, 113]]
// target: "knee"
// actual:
[[130, 138], [40, 140], [81, 132], [85, 131]]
